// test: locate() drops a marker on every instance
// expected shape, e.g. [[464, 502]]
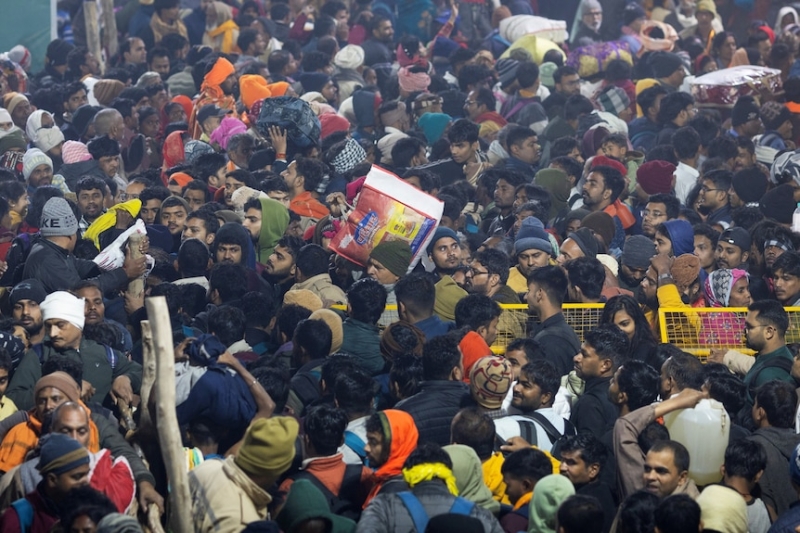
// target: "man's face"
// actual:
[[593, 18], [503, 194], [374, 449], [4, 378], [210, 124], [133, 190], [241, 156], [527, 395], [712, 197], [149, 211], [194, 198], [229, 85], [517, 359], [529, 151], [478, 278], [378, 272], [446, 254], [73, 479], [568, 251], [280, 196], [252, 222], [704, 250], [63, 334], [280, 263], [472, 107], [76, 99], [47, 399], [174, 218], [744, 159], [196, 229], [632, 276], [21, 114], [28, 314], [384, 32], [290, 176], [109, 164], [594, 190], [138, 53], [529, 260], [93, 307], [73, 423], [90, 202], [771, 254], [575, 468], [654, 214], [787, 286], [229, 253], [461, 152], [160, 65], [588, 363], [41, 176], [729, 255], [647, 289], [515, 488], [661, 476], [569, 85], [663, 244], [231, 186]]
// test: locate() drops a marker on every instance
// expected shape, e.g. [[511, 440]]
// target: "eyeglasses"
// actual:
[[474, 272]]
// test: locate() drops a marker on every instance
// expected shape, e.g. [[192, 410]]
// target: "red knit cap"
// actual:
[[656, 177], [602, 160]]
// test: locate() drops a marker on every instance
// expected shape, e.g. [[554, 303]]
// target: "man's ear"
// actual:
[[457, 374], [745, 256]]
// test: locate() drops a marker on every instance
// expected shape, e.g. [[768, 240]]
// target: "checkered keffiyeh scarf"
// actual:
[[719, 285], [349, 157], [613, 100]]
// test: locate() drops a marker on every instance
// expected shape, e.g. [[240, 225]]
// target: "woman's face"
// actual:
[[740, 293], [728, 48], [625, 322], [663, 244], [150, 126], [177, 114]]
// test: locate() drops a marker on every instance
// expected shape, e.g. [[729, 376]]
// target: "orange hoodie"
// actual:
[[400, 435]]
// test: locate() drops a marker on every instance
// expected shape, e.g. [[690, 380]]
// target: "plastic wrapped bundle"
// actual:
[[723, 87], [512, 28]]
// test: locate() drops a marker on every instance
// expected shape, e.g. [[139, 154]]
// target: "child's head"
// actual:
[[522, 470], [745, 459], [616, 146]]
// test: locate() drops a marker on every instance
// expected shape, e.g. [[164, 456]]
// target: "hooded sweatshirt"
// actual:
[[681, 235], [274, 221], [400, 435], [776, 488], [469, 477]]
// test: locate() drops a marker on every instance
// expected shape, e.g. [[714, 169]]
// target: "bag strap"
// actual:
[[462, 506], [111, 356], [355, 443], [24, 511], [415, 509], [547, 426], [514, 110], [528, 432]]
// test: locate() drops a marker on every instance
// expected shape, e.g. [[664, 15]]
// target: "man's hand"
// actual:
[[180, 350], [121, 387], [515, 444], [662, 263], [87, 390], [717, 355], [278, 138], [133, 302], [124, 219], [227, 359], [148, 495], [134, 268]]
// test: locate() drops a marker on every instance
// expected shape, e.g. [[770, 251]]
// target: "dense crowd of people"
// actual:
[[577, 155]]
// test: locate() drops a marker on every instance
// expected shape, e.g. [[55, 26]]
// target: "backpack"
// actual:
[[24, 511], [527, 430], [420, 517], [356, 444], [292, 114], [306, 386], [351, 484]]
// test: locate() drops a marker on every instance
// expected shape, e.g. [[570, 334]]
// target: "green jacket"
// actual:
[[768, 374], [96, 370], [364, 342]]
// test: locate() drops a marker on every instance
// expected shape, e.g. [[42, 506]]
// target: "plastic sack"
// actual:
[[593, 59], [723, 87], [512, 28], [537, 47], [388, 209], [112, 256]]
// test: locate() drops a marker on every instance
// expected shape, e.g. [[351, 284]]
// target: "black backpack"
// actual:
[[351, 486]]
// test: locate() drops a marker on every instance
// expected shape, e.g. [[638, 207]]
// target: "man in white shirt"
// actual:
[[534, 393], [686, 143]]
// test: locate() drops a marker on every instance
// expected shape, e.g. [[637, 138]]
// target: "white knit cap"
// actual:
[[63, 305], [32, 159], [351, 56], [49, 138]]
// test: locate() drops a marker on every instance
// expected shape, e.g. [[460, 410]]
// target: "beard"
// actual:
[[642, 298]]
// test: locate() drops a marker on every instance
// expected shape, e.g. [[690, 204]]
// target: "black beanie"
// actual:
[[664, 64], [744, 110], [57, 52]]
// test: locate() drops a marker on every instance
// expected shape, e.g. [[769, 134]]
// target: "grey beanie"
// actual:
[[57, 220], [637, 252], [585, 240]]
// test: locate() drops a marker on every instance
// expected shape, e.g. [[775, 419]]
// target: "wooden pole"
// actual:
[[110, 43], [92, 29], [148, 374], [169, 435], [136, 286]]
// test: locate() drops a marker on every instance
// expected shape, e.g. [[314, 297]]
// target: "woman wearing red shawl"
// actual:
[[217, 88], [725, 288], [173, 153], [391, 437]]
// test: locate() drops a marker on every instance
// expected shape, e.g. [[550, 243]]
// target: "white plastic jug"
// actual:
[[704, 431]]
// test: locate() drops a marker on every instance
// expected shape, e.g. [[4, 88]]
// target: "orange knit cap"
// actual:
[[278, 88], [181, 178], [253, 88]]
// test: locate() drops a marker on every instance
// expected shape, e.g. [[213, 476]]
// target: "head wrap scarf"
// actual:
[[400, 436], [413, 81], [216, 76], [225, 28], [229, 127], [719, 285], [174, 153], [34, 124], [351, 155], [5, 117], [185, 102]]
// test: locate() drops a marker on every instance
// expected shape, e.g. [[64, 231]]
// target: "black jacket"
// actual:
[[59, 270], [559, 343], [434, 407], [594, 413]]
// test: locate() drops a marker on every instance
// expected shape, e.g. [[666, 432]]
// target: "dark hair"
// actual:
[[314, 336], [193, 258], [63, 363], [207, 165], [275, 381], [315, 60], [576, 106], [771, 312], [672, 105], [588, 274], [527, 74], [560, 72], [367, 300], [354, 392], [197, 185], [527, 463], [552, 280], [778, 399], [612, 178], [517, 135], [102, 147], [12, 190], [405, 150], [672, 204], [745, 458], [725, 387], [312, 172], [406, 373], [639, 381], [312, 260], [677, 514], [525, 344], [324, 426], [680, 454], [580, 514], [416, 292], [636, 513], [686, 142], [647, 98], [542, 373], [643, 334], [476, 311], [5, 361], [155, 192], [685, 369], [593, 452], [428, 453], [40, 197], [608, 342], [474, 428], [571, 166], [226, 279], [288, 317], [722, 147], [209, 219], [85, 501], [706, 127], [662, 152], [227, 323], [173, 42], [563, 146], [88, 184], [427, 179], [462, 130], [247, 36], [440, 356]]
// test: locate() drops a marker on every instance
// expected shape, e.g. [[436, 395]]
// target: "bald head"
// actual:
[[72, 419], [109, 122]]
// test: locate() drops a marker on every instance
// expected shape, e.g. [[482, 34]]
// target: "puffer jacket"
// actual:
[[387, 513], [434, 407]]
